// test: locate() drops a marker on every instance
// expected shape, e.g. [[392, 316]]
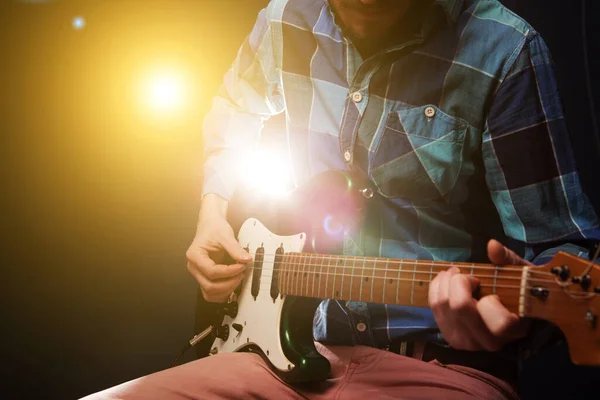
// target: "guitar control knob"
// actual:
[[223, 332], [597, 290], [237, 327], [231, 309]]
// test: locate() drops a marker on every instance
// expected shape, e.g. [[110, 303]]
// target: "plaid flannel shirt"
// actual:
[[458, 125]]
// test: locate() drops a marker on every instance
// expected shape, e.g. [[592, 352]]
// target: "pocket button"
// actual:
[[430, 112], [357, 97], [347, 156]]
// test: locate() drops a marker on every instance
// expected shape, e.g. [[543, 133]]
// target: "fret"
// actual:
[[373, 280], [307, 271], [291, 273], [303, 273], [362, 274], [522, 296], [343, 273], [288, 278], [352, 277], [311, 273], [385, 278], [327, 276], [297, 274], [472, 268], [495, 277], [306, 274], [412, 289], [334, 276], [431, 271], [281, 277], [398, 282], [319, 278]]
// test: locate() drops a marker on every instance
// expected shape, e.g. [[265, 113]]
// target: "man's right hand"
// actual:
[[214, 237]]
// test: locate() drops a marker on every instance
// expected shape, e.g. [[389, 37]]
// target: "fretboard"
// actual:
[[387, 281]]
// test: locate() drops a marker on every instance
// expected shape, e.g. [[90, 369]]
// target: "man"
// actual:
[[447, 107]]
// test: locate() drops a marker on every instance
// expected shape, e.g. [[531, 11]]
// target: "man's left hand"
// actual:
[[468, 323]]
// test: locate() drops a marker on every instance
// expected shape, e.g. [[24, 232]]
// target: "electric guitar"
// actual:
[[295, 246]]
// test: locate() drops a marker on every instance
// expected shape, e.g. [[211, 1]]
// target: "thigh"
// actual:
[[224, 376], [387, 375]]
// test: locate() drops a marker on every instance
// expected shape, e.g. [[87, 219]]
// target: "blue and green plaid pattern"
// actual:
[[458, 125]]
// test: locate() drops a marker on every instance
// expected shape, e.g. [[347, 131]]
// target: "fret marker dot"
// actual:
[[421, 283], [390, 281], [367, 279], [337, 293]]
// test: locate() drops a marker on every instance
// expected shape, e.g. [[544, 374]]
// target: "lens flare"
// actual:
[[332, 227], [164, 91], [266, 171]]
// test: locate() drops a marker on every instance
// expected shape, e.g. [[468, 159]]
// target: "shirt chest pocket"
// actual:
[[420, 154]]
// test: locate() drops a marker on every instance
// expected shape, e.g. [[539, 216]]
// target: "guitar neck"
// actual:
[[389, 281]]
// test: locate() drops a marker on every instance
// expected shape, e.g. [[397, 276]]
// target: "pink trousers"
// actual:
[[356, 373]]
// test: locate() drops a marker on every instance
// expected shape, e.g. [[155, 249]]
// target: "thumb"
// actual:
[[502, 255], [236, 251]]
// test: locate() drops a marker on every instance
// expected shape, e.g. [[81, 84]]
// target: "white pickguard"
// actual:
[[260, 318]]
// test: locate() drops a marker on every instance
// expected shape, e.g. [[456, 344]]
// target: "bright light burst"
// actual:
[[266, 171], [164, 91]]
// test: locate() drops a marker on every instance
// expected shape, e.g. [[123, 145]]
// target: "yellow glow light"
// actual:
[[266, 171], [165, 91]]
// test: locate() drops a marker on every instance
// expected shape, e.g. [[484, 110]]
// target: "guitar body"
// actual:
[[278, 327], [264, 315]]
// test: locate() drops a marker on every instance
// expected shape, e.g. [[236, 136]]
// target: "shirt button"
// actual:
[[347, 156], [357, 97], [430, 112], [367, 193], [361, 326]]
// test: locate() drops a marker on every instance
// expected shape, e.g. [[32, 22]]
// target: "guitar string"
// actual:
[[426, 263], [295, 281], [295, 267], [509, 301], [377, 260], [394, 272]]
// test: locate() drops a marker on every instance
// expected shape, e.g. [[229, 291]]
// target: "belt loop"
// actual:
[[403, 346], [418, 350]]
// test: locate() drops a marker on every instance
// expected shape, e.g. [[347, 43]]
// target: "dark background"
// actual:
[[99, 195]]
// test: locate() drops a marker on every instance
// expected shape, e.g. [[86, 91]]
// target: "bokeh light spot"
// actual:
[[78, 22]]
